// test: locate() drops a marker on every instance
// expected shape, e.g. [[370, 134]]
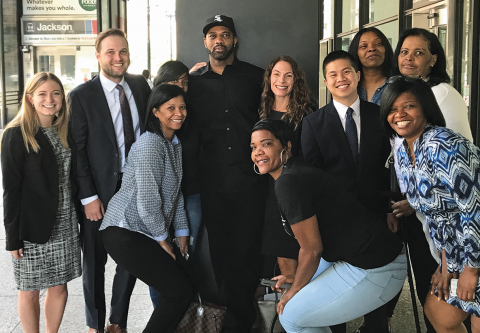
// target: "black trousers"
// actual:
[[234, 223], [94, 260], [144, 258]]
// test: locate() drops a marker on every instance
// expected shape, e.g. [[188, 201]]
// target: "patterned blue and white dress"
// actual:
[[444, 185]]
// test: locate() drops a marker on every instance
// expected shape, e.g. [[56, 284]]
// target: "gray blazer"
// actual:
[[150, 199]]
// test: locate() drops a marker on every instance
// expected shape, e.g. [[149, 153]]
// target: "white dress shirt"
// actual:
[[342, 113], [113, 101]]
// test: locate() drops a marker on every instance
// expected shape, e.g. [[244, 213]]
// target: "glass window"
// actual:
[[10, 57], [390, 30], [346, 40], [379, 10], [350, 14], [105, 14], [162, 34], [67, 65], [46, 63], [327, 19], [466, 62], [123, 9], [114, 13]]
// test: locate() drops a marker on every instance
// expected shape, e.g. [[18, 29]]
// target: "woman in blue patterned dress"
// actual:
[[440, 170]]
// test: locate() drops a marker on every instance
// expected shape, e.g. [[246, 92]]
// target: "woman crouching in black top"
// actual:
[[349, 263]]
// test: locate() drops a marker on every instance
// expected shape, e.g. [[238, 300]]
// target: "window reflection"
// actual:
[[390, 30], [10, 57], [466, 63], [350, 14], [328, 8], [379, 10], [346, 40]]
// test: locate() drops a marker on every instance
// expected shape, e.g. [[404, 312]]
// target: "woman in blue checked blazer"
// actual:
[[135, 229]]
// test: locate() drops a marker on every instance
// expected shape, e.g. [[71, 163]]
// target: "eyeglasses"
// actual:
[[407, 78]]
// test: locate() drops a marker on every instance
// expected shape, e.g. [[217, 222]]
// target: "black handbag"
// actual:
[[202, 317], [267, 317]]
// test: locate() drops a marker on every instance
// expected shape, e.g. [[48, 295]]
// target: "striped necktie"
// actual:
[[128, 133]]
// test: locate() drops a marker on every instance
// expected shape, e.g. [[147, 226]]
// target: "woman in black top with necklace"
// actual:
[[286, 97]]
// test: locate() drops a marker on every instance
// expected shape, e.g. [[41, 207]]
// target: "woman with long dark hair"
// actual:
[[176, 73], [135, 229], [286, 97], [172, 72], [419, 52], [373, 55]]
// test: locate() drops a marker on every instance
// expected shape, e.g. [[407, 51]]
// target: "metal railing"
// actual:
[[11, 97]]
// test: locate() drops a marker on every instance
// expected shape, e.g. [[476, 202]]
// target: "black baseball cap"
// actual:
[[221, 20]]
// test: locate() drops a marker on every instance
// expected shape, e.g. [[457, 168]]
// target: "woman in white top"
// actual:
[[419, 52]]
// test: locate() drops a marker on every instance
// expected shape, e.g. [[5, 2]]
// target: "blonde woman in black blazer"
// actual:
[[39, 214]]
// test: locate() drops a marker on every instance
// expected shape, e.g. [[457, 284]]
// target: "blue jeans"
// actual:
[[340, 292], [194, 217]]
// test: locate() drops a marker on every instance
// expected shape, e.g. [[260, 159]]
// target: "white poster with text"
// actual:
[[59, 7]]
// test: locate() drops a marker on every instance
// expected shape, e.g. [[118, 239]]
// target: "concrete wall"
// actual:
[[265, 29]]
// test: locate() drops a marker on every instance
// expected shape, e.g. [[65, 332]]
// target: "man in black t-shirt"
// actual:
[[224, 97]]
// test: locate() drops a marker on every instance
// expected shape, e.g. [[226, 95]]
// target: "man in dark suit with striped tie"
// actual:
[[108, 115], [346, 140]]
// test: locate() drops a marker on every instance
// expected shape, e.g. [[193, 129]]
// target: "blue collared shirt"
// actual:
[[377, 96]]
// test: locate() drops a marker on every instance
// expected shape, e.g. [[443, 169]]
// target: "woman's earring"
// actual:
[[281, 158], [257, 172]]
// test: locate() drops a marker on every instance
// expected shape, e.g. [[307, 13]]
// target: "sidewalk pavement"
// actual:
[[140, 305]]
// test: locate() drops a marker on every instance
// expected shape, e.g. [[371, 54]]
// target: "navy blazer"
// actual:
[[97, 155], [325, 145], [30, 189]]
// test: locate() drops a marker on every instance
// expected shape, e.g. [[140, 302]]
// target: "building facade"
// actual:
[[51, 35], [455, 22], [58, 36]]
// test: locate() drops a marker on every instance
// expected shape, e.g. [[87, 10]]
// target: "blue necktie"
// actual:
[[351, 132]]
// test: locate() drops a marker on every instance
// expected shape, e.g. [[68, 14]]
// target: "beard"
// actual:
[[221, 55], [108, 71]]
